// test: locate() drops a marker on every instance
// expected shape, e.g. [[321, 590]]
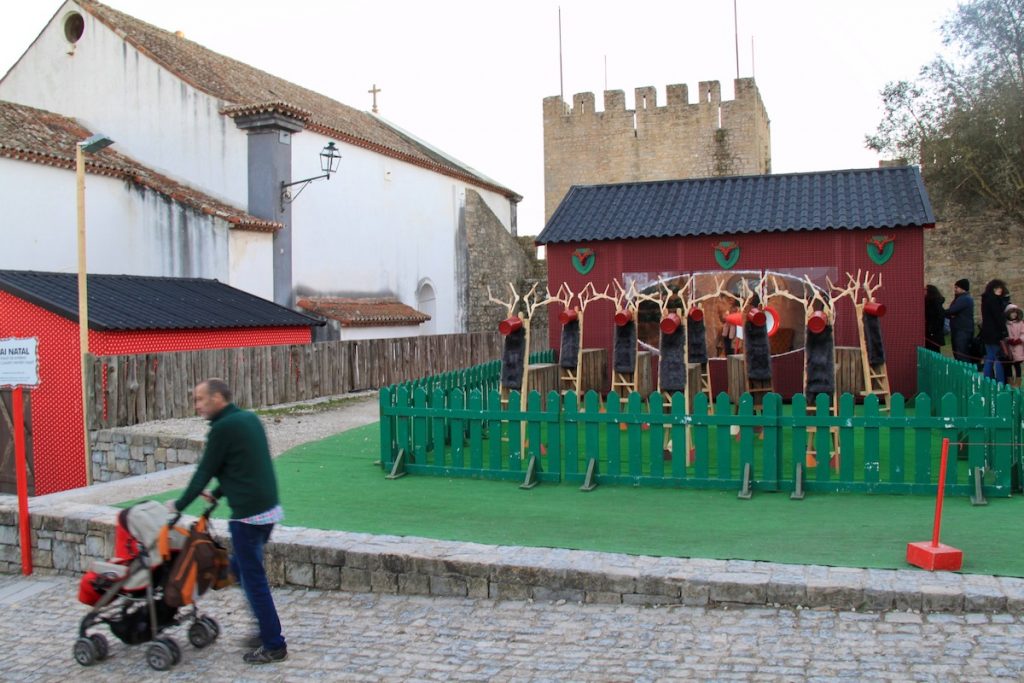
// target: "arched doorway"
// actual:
[[426, 302]]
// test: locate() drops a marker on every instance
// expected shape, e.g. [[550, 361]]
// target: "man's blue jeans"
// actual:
[[992, 363], [247, 566]]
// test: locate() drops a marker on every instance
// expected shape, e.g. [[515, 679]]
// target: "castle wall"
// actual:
[[495, 258], [583, 146]]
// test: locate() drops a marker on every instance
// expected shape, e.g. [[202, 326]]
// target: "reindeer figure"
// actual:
[[626, 369], [516, 345], [869, 312], [571, 355]]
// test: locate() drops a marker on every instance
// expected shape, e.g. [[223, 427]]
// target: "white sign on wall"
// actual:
[[19, 363]]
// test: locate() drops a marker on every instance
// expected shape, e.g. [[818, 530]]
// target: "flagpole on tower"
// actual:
[[736, 36], [561, 82]]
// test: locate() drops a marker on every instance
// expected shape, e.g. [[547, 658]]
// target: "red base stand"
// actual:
[[934, 557]]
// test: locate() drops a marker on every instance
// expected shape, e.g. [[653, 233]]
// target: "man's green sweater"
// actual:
[[237, 454]]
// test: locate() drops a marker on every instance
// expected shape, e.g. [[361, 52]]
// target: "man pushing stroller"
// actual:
[[238, 455]]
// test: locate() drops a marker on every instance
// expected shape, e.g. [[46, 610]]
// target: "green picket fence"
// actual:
[[456, 433], [938, 375]]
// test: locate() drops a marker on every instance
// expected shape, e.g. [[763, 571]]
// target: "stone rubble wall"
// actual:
[[67, 536], [117, 454]]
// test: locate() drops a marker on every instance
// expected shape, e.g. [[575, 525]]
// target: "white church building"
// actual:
[[195, 184]]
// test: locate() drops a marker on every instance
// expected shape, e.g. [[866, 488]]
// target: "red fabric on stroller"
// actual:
[[126, 548]]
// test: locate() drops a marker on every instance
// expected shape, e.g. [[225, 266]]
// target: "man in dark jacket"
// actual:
[[993, 327], [237, 454], [961, 320]]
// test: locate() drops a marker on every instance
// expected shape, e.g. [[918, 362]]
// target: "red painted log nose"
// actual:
[[757, 317], [670, 323], [623, 317], [874, 309], [696, 314], [816, 323], [568, 315], [510, 325]]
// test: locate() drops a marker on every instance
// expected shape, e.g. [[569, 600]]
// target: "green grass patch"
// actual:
[[333, 484]]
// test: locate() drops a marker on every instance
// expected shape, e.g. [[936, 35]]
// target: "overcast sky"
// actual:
[[469, 76]]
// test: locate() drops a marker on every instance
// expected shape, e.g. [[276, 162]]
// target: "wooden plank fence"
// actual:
[[130, 389]]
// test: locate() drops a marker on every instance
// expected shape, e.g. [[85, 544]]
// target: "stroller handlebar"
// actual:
[[173, 519]]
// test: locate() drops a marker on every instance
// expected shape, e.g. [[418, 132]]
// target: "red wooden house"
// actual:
[[826, 223], [127, 315]]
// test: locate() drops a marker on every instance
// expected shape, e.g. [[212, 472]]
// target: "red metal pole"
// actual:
[[21, 468], [942, 491]]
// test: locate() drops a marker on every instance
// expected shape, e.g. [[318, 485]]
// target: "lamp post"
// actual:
[[90, 145], [329, 158]]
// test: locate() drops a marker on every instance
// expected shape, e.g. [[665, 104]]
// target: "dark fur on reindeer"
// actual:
[[625, 347], [569, 354], [758, 352], [821, 363], [672, 369], [512, 357], [697, 341], [873, 338]]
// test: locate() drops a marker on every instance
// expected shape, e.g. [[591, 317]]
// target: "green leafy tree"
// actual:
[[963, 118]]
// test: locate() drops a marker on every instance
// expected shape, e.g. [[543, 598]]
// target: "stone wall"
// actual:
[[979, 247], [495, 258], [67, 536], [583, 146], [118, 453]]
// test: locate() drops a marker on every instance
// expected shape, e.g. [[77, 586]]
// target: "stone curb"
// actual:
[[68, 535]]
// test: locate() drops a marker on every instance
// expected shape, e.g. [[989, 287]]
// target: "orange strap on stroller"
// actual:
[[163, 540]]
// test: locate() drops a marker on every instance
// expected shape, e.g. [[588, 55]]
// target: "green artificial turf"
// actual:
[[333, 484]]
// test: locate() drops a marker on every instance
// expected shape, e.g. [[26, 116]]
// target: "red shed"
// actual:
[[820, 224], [127, 315]]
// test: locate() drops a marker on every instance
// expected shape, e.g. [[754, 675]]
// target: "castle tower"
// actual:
[[583, 146]]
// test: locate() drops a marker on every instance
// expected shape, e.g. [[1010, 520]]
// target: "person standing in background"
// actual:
[[961, 320], [934, 319], [994, 300]]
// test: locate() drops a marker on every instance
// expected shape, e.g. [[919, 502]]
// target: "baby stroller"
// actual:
[[129, 593]]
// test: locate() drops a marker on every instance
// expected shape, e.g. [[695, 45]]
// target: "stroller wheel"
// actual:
[[175, 649], [213, 624], [102, 649], [201, 634], [85, 651], [159, 655]]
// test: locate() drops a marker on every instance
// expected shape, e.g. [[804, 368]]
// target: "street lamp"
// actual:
[[90, 145], [329, 158]]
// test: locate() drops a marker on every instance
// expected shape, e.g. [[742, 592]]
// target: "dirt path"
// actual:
[[287, 426]]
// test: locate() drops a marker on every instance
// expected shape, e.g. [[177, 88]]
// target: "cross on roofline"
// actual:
[[373, 91]]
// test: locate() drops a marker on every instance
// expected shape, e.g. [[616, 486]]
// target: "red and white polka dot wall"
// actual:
[[57, 433]]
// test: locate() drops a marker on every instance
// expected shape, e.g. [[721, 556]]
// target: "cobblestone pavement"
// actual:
[[338, 636]]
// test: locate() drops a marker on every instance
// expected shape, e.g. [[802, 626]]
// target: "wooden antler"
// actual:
[[868, 289], [511, 305], [718, 292], [590, 294], [563, 296], [836, 293], [534, 299]]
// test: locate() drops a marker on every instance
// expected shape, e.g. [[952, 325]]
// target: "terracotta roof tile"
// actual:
[[364, 312], [42, 137], [243, 87]]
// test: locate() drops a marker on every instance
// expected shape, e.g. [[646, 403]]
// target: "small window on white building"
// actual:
[[74, 27], [426, 302]]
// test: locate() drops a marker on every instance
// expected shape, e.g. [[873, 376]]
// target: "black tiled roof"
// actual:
[[861, 198], [131, 302]]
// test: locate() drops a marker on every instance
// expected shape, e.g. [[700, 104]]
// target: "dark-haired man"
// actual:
[[961, 320], [238, 455]]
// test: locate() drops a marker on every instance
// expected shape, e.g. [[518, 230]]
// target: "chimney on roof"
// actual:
[[179, 34]]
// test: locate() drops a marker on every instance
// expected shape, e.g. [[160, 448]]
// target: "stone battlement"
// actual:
[[680, 139]]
